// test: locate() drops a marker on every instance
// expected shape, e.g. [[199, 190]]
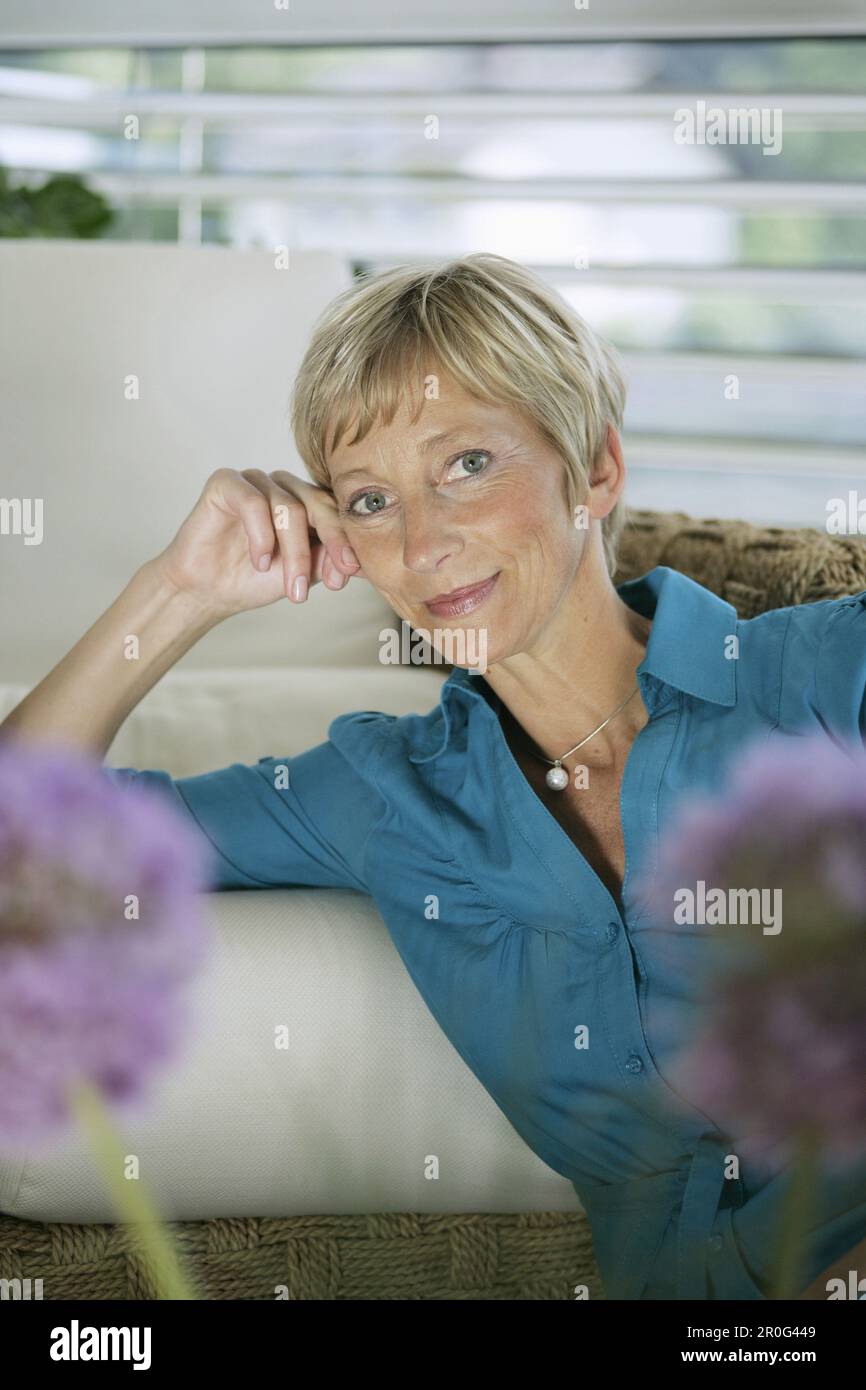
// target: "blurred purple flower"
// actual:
[[780, 1044], [87, 989]]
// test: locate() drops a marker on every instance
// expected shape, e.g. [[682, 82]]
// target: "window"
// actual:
[[730, 273]]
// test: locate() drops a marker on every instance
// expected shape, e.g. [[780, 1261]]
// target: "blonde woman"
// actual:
[[461, 425]]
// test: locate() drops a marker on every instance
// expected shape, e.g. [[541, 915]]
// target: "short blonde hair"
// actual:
[[497, 328]]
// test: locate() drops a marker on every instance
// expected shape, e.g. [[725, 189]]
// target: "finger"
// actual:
[[321, 561], [322, 511], [331, 576], [293, 536], [289, 518], [318, 556], [254, 511], [336, 543]]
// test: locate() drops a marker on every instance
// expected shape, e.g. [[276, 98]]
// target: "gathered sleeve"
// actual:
[[840, 673], [300, 820]]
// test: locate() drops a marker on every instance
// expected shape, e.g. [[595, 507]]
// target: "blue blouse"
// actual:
[[522, 954]]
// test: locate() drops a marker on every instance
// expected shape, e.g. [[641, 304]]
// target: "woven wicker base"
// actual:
[[538, 1255]]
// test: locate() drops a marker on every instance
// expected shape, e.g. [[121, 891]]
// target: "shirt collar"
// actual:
[[689, 646], [688, 649]]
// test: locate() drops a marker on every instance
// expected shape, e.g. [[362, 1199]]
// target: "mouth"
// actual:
[[460, 601]]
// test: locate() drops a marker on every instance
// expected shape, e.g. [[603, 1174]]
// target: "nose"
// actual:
[[430, 536]]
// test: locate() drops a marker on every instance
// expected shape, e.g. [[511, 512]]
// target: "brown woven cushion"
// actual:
[[754, 568]]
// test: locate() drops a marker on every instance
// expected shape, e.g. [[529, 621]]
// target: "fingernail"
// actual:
[[265, 562], [349, 556], [299, 588]]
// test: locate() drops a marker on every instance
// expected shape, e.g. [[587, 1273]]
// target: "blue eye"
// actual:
[[380, 502], [478, 457]]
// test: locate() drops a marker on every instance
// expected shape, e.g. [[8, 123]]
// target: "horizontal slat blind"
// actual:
[[730, 273]]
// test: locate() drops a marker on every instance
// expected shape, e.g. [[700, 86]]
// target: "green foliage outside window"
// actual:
[[61, 207]]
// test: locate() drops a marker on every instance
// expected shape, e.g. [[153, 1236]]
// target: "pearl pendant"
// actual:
[[557, 778]]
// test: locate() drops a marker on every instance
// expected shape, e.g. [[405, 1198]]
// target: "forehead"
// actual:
[[423, 426]]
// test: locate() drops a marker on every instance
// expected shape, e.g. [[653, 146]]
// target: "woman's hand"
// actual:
[[209, 571], [254, 537]]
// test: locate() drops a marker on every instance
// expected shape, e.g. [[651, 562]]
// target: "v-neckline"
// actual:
[[510, 729], [542, 818]]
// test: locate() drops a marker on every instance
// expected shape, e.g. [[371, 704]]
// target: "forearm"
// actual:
[[86, 697]]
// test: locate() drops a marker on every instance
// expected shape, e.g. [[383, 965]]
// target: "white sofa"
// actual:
[[343, 1120]]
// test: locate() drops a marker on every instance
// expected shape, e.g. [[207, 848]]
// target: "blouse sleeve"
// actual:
[[283, 822], [840, 674]]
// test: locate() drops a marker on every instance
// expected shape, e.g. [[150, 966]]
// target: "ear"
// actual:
[[608, 476]]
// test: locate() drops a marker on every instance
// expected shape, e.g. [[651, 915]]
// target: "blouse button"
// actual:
[[634, 1063], [715, 1242], [612, 930]]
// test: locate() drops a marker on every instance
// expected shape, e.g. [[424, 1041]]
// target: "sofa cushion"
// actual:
[[347, 1118]]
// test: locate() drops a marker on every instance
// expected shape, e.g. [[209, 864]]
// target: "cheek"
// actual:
[[551, 545], [538, 518], [381, 562], [380, 557], [510, 514], [535, 494]]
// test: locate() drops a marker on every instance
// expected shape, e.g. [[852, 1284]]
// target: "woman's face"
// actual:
[[469, 494]]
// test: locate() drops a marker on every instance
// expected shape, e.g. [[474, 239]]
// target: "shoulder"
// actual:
[[811, 629], [803, 627], [372, 739], [816, 653]]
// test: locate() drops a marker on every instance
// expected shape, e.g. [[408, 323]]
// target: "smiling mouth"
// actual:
[[462, 600]]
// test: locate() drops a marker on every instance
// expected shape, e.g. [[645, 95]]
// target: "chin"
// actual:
[[460, 642]]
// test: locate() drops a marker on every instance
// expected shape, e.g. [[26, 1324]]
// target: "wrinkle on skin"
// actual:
[[562, 646]]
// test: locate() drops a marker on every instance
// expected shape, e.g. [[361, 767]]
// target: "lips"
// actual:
[[462, 600]]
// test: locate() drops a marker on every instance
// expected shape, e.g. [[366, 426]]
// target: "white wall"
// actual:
[[215, 337]]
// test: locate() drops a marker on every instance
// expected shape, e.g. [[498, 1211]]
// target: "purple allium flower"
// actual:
[[101, 927], [781, 1036]]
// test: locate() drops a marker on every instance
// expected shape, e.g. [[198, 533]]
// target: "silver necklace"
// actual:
[[557, 777]]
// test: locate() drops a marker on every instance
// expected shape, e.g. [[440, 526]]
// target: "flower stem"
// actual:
[[130, 1200], [791, 1273]]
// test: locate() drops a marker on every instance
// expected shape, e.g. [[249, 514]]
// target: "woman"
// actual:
[[461, 425]]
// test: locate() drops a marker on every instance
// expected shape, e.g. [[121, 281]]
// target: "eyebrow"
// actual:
[[348, 474], [436, 439], [432, 443]]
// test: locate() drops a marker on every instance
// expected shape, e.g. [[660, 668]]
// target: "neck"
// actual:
[[576, 674]]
